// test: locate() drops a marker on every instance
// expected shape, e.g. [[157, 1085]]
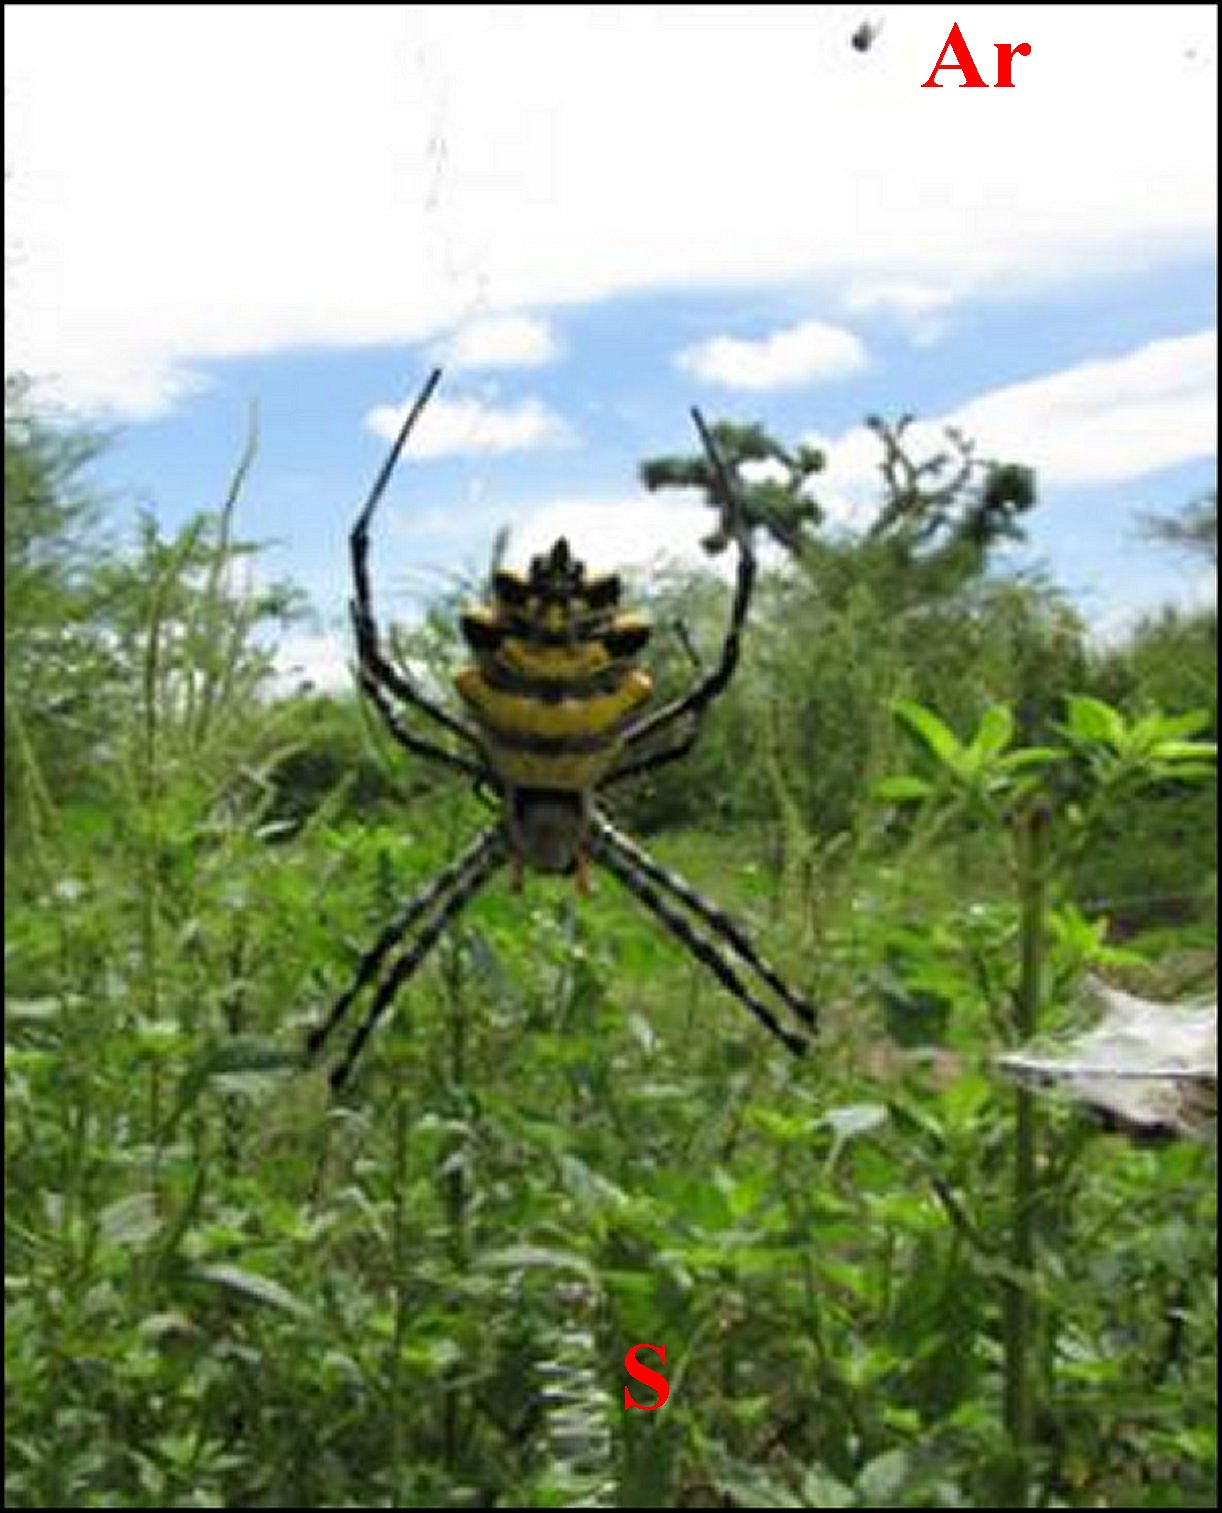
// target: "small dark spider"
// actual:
[[866, 35], [554, 697]]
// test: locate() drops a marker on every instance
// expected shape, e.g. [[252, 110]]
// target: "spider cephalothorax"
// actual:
[[555, 701]]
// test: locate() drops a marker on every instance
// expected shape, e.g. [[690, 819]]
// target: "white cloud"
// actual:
[[454, 427], [500, 341], [848, 488], [318, 658], [184, 188], [1110, 419], [900, 299], [633, 531], [1097, 422], [920, 309], [1116, 618], [801, 354]]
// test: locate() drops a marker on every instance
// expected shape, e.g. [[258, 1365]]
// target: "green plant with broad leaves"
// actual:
[[1048, 800]]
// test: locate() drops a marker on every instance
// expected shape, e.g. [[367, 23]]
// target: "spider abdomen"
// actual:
[[554, 684]]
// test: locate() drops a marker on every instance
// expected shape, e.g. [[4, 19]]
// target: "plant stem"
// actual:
[[455, 1189], [399, 1406], [149, 798], [1019, 1317]]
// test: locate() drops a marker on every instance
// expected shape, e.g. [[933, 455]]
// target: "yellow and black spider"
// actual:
[[554, 698]]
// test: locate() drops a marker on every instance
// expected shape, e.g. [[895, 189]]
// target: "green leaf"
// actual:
[[1030, 756], [820, 1489], [526, 1257], [882, 1481], [935, 733], [903, 788], [753, 1489], [995, 732], [1187, 751], [243, 1054], [1183, 771], [1093, 720], [33, 1009], [131, 1220], [251, 1284], [855, 1119], [1176, 726]]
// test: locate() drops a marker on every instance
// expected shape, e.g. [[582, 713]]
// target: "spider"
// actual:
[[554, 702], [866, 35]]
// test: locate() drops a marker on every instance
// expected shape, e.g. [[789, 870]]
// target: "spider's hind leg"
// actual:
[[447, 894], [708, 912], [610, 851]]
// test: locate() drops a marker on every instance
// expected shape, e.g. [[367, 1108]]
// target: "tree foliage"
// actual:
[[1193, 529], [57, 665]]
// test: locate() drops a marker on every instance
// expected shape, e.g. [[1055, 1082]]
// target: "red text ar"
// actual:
[[966, 64]]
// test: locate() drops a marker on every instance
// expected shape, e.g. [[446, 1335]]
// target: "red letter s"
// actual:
[[646, 1374]]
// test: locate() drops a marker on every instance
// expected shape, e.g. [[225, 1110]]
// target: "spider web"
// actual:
[[1151, 1066]]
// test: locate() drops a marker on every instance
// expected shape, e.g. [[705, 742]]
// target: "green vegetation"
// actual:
[[882, 1277]]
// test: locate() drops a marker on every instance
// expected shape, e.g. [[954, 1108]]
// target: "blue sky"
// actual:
[[595, 217]]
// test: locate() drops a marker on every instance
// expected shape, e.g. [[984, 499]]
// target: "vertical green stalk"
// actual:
[[797, 844], [401, 1263], [455, 1188], [37, 813], [1020, 1324], [155, 695], [148, 799], [224, 623]]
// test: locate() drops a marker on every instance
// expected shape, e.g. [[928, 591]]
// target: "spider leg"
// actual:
[[679, 626], [705, 951], [376, 669], [607, 836], [411, 742], [407, 964], [477, 862], [657, 758], [698, 700]]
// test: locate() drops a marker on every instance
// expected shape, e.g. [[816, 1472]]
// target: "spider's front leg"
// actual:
[[379, 676], [695, 704], [406, 738]]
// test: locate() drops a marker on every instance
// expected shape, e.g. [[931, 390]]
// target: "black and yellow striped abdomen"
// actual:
[[554, 683]]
